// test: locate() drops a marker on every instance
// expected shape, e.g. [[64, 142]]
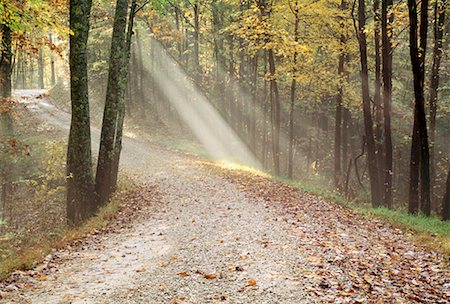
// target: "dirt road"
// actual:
[[215, 238]]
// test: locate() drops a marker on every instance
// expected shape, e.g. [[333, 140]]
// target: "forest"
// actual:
[[199, 135]]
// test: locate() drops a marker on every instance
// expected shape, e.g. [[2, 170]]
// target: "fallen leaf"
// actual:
[[183, 274], [251, 283], [210, 276]]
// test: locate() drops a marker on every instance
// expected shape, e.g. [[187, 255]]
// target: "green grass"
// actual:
[[419, 222], [430, 231]]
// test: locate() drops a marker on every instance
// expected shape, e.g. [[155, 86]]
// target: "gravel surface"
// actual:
[[216, 236], [205, 242]]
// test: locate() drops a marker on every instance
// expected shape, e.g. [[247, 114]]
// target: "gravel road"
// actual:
[[205, 241]]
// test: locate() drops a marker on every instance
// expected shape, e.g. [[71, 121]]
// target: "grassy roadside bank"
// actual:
[[34, 252], [430, 232]]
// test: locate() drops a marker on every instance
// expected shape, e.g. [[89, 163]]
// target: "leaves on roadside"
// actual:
[[351, 257]]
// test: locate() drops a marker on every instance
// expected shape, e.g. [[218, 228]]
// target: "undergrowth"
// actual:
[[35, 252]]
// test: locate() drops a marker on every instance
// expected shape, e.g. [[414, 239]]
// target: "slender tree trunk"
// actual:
[[197, 68], [346, 116], [80, 182], [218, 54], [265, 116], [41, 69], [377, 96], [386, 29], [121, 112], [177, 25], [24, 71], [6, 119], [114, 98], [446, 199], [140, 74], [413, 203], [338, 127], [439, 23], [368, 122], [338, 130], [275, 114], [52, 64], [293, 90], [6, 62], [231, 99], [254, 88], [18, 66], [417, 54]]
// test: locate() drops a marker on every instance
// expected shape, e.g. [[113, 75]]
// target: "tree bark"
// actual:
[[368, 122], [439, 23], [80, 182], [293, 90], [446, 199], [420, 136], [41, 69], [197, 69], [115, 94], [52, 64], [377, 95], [276, 116], [386, 30]]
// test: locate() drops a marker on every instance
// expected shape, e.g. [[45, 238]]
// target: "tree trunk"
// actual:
[[368, 122], [115, 94], [6, 61], [377, 96], [446, 199], [18, 66], [275, 114], [52, 64], [231, 99], [197, 69], [346, 121], [80, 184], [439, 20], [386, 29], [140, 71], [338, 127], [254, 88], [414, 162], [418, 66], [265, 117], [293, 89], [41, 69], [6, 119]]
